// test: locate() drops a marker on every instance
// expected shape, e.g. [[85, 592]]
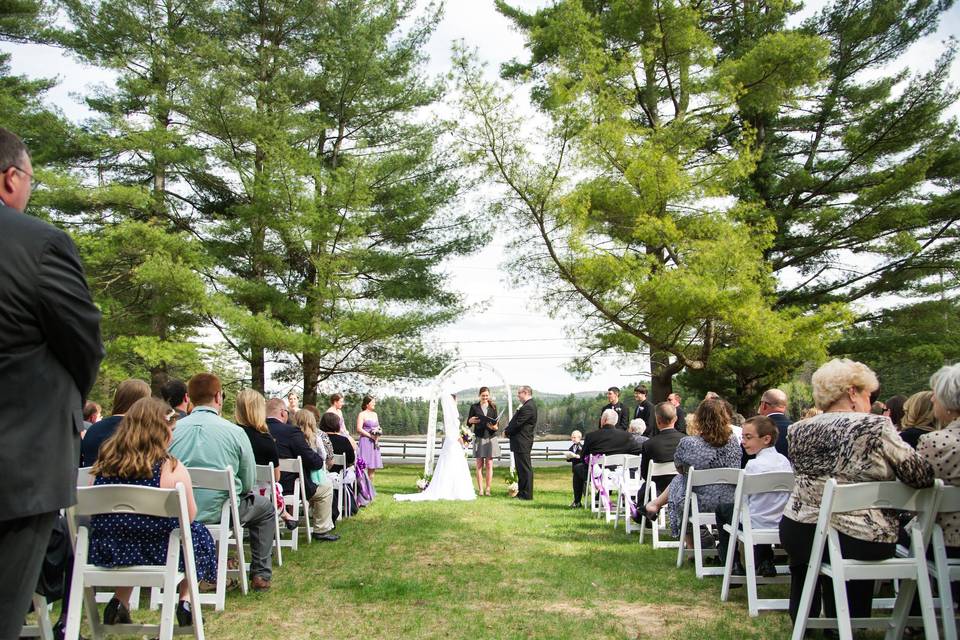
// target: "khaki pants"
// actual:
[[321, 507]]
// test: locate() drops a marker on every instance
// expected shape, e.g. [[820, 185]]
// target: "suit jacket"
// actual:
[[623, 421], [783, 422], [50, 352], [644, 411], [290, 444], [609, 440], [521, 427], [660, 449]]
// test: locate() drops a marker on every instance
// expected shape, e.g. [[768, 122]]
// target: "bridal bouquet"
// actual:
[[423, 481], [466, 435]]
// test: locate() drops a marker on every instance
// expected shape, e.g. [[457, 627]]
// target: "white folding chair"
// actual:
[[612, 472], [84, 477], [630, 484], [228, 532], [594, 466], [658, 528], [945, 570], [44, 628], [910, 571], [298, 499], [751, 485], [336, 480], [266, 477], [695, 519], [148, 501]]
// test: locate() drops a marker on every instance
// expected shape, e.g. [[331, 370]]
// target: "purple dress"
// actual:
[[369, 451]]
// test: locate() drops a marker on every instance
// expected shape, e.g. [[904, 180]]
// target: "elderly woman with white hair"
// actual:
[[849, 444], [942, 448]]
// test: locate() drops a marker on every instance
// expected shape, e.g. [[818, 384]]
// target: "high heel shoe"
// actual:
[[116, 613]]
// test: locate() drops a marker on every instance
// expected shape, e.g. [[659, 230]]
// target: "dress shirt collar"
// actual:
[[206, 409]]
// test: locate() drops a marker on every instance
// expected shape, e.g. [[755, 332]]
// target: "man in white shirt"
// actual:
[[759, 440]]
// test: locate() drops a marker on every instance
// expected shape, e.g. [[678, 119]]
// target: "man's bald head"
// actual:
[[276, 408], [773, 401]]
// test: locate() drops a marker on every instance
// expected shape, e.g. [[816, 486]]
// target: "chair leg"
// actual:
[[901, 609], [750, 566], [728, 566], [947, 615], [806, 599], [844, 628], [696, 529]]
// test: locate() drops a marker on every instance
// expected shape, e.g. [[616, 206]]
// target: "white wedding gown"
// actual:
[[451, 476]]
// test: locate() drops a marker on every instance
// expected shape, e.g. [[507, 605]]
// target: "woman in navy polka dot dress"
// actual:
[[137, 454]]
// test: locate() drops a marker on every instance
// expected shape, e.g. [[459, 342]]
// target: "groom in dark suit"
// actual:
[[520, 431], [50, 349]]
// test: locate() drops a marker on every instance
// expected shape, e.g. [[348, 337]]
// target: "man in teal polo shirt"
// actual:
[[204, 439]]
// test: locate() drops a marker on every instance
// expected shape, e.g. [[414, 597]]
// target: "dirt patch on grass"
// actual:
[[644, 621]]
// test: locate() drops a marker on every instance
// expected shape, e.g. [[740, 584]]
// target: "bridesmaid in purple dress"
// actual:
[[368, 429]]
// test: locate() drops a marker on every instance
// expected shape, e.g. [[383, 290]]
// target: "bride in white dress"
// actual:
[[451, 476]]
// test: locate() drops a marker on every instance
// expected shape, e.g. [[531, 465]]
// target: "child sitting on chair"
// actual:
[[759, 439]]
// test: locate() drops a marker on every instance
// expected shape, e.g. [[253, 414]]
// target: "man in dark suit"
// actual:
[[681, 425], [290, 444], [520, 431], [174, 393], [49, 344], [663, 446], [773, 404], [644, 411], [608, 440], [613, 402]]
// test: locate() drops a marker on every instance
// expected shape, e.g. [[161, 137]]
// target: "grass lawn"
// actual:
[[493, 568]]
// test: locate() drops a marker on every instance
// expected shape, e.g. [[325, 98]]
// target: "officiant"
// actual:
[[483, 418]]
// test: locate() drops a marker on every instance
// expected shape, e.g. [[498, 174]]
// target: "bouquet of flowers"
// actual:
[[376, 432], [512, 482], [423, 481], [466, 435]]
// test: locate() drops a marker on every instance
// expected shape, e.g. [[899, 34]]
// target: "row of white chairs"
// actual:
[[227, 533], [910, 571]]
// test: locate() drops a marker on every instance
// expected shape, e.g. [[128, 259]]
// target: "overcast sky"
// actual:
[[513, 334]]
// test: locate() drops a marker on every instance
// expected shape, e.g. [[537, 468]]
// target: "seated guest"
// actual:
[[128, 392], [137, 454], [578, 467], [609, 439], [713, 447], [773, 404], [204, 439], [174, 392], [291, 443], [251, 416], [662, 447], [330, 424], [759, 441], [894, 410], [636, 432], [918, 417], [91, 414], [941, 449], [850, 444]]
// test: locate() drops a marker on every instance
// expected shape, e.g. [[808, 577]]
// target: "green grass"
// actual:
[[493, 568]]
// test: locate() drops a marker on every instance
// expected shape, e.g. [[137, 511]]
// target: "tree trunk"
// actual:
[[258, 368], [311, 376], [661, 376], [158, 378]]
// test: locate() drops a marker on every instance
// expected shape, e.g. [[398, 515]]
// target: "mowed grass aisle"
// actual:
[[493, 568]]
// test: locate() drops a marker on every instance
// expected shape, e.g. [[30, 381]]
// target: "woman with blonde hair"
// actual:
[[849, 444], [714, 446], [918, 417], [251, 416], [137, 454]]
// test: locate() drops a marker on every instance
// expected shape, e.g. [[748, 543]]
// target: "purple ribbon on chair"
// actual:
[[364, 489], [597, 480]]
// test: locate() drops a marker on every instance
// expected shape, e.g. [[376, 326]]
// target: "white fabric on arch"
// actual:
[[451, 476]]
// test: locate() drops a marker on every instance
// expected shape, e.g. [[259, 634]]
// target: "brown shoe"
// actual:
[[259, 584]]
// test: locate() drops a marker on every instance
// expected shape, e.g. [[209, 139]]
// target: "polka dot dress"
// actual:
[[123, 540]]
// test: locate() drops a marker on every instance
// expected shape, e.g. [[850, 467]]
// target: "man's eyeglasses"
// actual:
[[20, 169]]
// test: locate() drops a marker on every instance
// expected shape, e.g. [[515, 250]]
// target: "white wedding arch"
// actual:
[[436, 388]]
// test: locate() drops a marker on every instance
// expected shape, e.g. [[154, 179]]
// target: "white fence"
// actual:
[[411, 450]]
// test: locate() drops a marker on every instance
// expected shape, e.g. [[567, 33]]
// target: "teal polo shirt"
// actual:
[[204, 439]]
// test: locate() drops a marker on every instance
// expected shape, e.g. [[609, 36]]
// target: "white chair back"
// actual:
[[659, 528], [299, 498], [750, 485], [910, 571], [148, 501], [693, 520]]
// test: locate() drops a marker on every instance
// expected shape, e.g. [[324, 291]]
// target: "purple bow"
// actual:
[[597, 479]]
